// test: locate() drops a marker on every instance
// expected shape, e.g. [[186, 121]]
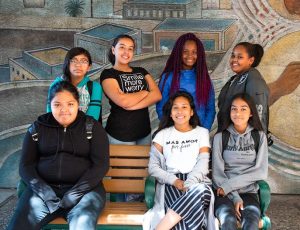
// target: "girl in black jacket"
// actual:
[[62, 168], [245, 57]]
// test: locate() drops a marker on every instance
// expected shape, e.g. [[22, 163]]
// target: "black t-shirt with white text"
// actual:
[[127, 125]]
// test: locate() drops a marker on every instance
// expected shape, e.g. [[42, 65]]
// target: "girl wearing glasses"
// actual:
[[77, 63]]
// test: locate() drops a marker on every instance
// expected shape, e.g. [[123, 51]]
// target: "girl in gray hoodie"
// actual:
[[236, 167]]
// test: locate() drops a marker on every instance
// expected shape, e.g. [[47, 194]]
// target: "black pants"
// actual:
[[225, 212]]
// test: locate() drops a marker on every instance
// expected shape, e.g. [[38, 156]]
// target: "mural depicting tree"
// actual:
[[74, 8]]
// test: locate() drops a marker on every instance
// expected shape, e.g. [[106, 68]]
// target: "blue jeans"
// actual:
[[225, 212], [32, 213], [142, 141]]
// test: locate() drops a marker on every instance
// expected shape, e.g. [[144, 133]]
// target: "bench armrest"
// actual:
[[264, 196], [149, 191]]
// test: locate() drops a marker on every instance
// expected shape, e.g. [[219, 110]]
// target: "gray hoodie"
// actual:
[[240, 167]]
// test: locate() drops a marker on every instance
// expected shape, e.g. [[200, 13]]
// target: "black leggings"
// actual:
[[225, 212]]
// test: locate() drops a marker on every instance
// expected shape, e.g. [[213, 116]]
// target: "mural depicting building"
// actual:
[[98, 40], [216, 34], [4, 73], [43, 64], [155, 25], [161, 9], [216, 4]]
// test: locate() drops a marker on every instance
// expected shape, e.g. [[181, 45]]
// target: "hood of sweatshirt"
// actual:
[[240, 140], [49, 120]]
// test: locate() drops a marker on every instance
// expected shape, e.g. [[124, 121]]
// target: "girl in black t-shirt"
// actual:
[[130, 90]]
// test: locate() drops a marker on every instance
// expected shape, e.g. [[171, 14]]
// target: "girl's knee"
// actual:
[[226, 216], [251, 211], [82, 222]]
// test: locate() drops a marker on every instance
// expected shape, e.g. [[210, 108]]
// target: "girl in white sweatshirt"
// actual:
[[179, 162]]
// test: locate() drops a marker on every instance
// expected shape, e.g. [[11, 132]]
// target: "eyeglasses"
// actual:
[[81, 62]]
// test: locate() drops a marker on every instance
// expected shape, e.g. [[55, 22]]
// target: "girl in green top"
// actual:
[[77, 63]]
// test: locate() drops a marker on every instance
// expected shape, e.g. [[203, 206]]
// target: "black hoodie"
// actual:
[[63, 164]]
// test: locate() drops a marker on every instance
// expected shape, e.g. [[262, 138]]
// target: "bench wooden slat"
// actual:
[[129, 150], [117, 172], [124, 185], [129, 162], [117, 213]]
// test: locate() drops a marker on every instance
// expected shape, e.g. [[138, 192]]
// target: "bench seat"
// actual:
[[114, 213]]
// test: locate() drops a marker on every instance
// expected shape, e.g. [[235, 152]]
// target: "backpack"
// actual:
[[89, 123], [89, 85], [226, 135]]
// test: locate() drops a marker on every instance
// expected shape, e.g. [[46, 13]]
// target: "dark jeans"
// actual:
[[31, 212], [225, 212]]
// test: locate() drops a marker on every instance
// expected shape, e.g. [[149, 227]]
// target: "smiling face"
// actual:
[[64, 108], [240, 114], [123, 51], [181, 113], [79, 66], [240, 61], [189, 55]]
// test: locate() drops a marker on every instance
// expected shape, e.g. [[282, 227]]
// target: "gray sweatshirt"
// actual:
[[240, 167]]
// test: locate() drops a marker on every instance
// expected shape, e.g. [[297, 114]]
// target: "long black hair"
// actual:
[[69, 56], [254, 120], [61, 86], [166, 120], [111, 57]]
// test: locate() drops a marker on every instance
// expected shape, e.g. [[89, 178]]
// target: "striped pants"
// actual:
[[190, 205]]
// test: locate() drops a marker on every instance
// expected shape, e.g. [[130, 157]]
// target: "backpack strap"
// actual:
[[225, 139], [256, 138], [33, 131], [90, 86], [89, 123]]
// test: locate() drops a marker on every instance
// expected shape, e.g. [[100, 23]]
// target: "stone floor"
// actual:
[[284, 210]]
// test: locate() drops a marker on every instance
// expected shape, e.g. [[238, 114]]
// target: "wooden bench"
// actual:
[[127, 174]]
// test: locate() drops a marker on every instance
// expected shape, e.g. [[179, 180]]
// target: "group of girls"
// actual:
[[179, 158], [185, 197]]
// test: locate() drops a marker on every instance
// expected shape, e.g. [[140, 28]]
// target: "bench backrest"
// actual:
[[128, 169]]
